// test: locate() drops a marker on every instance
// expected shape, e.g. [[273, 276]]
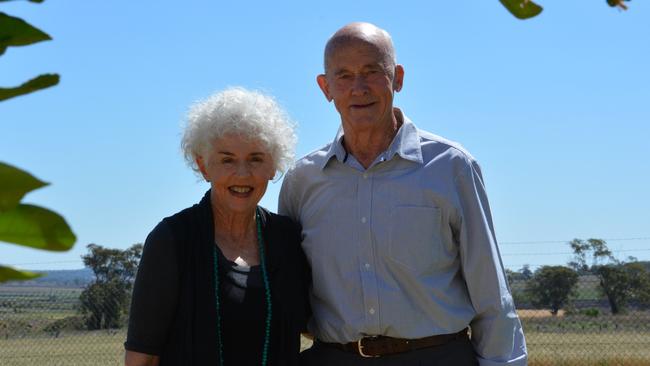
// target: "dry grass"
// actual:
[[80, 349], [546, 349], [615, 348]]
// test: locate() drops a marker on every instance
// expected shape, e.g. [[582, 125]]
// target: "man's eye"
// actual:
[[227, 161]]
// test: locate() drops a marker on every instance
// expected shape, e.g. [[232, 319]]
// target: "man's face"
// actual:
[[361, 86]]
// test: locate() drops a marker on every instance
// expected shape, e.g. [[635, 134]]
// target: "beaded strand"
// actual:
[[267, 288], [267, 291]]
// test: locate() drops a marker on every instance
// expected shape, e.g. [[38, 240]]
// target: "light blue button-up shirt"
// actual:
[[405, 248]]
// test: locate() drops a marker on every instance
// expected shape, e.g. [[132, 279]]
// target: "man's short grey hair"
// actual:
[[250, 114]]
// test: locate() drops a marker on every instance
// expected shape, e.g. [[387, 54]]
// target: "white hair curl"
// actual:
[[250, 114]]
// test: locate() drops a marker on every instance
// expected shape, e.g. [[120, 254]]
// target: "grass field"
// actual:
[[563, 340], [582, 349], [568, 349], [82, 349]]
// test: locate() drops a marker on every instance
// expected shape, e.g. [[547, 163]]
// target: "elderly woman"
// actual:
[[223, 282]]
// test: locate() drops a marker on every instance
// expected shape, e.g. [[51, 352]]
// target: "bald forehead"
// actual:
[[356, 34]]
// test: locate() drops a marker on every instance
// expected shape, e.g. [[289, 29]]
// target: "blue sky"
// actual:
[[556, 109]]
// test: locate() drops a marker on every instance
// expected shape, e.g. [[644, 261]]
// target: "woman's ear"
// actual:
[[202, 167]]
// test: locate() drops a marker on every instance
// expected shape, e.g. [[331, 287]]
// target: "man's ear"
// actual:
[[398, 80], [202, 168], [324, 86]]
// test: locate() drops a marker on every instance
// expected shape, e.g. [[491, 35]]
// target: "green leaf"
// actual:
[[36, 227], [14, 185], [10, 274], [37, 83], [522, 9], [17, 32]]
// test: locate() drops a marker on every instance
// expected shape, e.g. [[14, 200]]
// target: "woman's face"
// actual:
[[239, 171]]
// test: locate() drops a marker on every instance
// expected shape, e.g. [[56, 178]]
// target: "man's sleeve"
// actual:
[[497, 335], [286, 202]]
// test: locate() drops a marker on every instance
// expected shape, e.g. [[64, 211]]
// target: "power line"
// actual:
[[564, 253], [566, 241], [35, 263]]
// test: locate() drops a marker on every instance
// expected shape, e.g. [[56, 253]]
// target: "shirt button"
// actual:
[[365, 175], [367, 265], [371, 311], [363, 220]]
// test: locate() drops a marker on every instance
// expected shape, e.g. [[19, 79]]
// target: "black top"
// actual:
[[173, 310], [242, 300]]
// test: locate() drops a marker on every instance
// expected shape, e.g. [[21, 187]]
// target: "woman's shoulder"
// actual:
[[281, 229], [185, 222], [278, 222]]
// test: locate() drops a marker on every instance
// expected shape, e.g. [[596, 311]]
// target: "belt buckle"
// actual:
[[360, 348]]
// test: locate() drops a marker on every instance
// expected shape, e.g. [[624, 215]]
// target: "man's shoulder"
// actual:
[[313, 160], [433, 146]]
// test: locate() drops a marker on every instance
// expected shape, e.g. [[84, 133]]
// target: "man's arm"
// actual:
[[286, 204], [287, 207], [497, 335]]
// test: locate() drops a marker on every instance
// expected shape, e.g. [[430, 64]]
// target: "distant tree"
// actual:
[[582, 248], [619, 281], [638, 275], [522, 275], [105, 301], [551, 287], [624, 282]]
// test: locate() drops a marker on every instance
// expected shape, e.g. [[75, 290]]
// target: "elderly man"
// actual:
[[397, 228]]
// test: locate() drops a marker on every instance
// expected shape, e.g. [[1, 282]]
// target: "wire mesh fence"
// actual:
[[67, 326]]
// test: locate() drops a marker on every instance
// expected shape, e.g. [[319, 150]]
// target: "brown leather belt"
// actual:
[[377, 346]]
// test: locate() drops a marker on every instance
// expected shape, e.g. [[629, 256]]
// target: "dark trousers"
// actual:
[[455, 353]]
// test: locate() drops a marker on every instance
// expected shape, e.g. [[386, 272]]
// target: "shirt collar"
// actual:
[[336, 149], [406, 143]]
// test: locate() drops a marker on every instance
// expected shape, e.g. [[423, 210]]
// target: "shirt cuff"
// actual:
[[140, 348], [519, 361]]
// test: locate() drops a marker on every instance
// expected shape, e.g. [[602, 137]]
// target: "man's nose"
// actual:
[[359, 85]]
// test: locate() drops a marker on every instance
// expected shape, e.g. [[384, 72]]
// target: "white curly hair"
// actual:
[[250, 114]]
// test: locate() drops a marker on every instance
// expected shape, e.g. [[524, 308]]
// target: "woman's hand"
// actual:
[[140, 359]]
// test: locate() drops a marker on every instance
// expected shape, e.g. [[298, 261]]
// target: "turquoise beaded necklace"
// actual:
[[267, 290]]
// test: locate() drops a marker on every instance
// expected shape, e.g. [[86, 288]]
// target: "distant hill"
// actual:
[[58, 278]]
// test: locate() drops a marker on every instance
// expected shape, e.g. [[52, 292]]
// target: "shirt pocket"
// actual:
[[415, 241]]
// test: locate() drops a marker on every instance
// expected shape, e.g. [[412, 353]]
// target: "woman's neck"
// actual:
[[234, 226]]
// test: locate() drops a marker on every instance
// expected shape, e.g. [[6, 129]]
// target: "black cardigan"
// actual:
[[190, 337]]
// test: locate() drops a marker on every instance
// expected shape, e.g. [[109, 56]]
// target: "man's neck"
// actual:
[[366, 145]]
